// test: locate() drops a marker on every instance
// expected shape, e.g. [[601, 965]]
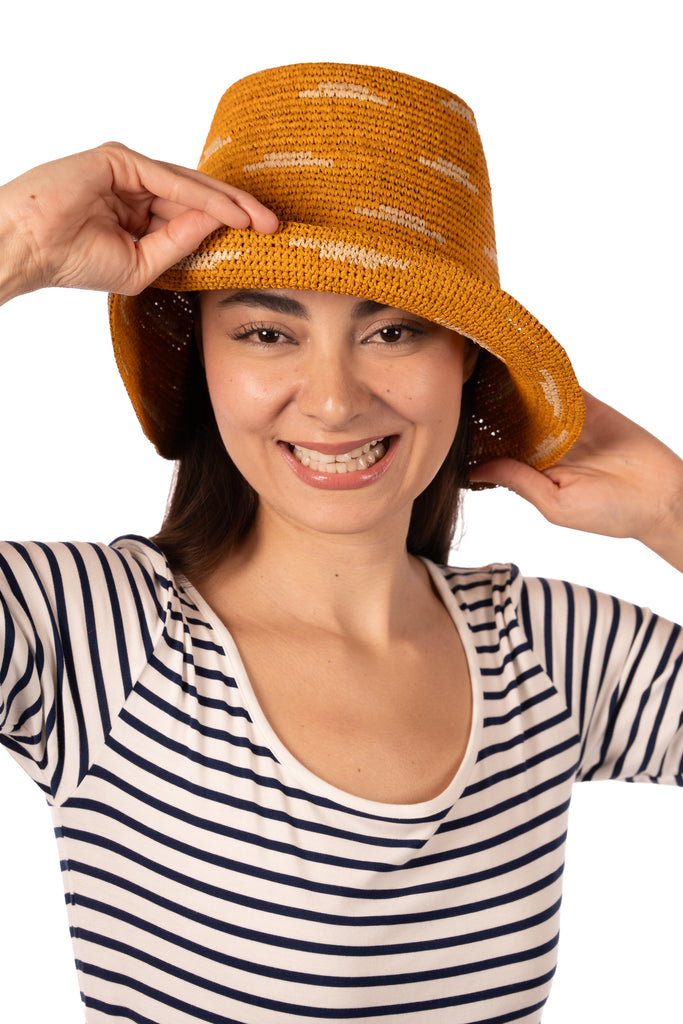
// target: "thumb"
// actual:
[[161, 248]]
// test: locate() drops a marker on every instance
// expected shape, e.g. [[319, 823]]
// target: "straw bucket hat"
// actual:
[[380, 184]]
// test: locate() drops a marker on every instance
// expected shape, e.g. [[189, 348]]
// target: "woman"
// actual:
[[298, 770]]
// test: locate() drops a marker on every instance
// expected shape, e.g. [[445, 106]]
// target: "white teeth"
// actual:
[[346, 462]]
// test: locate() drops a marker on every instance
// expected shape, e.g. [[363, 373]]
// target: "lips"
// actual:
[[361, 457], [343, 469]]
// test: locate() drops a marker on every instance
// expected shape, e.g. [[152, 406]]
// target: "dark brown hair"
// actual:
[[212, 508]]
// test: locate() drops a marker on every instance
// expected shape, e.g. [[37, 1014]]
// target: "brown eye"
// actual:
[[391, 333], [267, 335]]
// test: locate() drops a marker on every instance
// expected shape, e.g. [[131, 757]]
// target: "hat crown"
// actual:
[[360, 150]]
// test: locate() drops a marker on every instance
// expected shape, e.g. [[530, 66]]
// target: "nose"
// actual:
[[332, 388]]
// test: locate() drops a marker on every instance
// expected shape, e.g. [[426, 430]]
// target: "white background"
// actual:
[[579, 108]]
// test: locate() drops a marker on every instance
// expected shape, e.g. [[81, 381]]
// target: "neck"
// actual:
[[361, 585]]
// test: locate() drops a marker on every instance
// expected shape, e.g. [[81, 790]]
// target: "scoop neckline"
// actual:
[[313, 784]]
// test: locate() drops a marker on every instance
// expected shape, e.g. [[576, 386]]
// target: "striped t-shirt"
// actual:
[[211, 877]]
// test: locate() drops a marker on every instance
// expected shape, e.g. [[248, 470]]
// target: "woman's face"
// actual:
[[338, 411]]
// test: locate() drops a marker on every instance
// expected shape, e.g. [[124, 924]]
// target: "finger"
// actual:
[[262, 218], [502, 472], [160, 249], [519, 477], [166, 210], [188, 189], [155, 224]]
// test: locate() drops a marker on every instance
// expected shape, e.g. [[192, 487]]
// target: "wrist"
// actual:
[[665, 537], [18, 269]]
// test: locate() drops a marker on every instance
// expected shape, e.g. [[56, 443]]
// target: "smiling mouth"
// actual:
[[346, 462]]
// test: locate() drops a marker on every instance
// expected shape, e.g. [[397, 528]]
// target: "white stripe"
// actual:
[[547, 447], [344, 91], [459, 108], [347, 253], [272, 161], [552, 393], [491, 254], [208, 260], [402, 217], [451, 171], [213, 147]]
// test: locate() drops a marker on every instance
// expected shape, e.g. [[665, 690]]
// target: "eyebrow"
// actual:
[[292, 307]]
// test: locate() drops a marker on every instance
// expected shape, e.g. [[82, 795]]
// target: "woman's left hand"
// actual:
[[617, 480]]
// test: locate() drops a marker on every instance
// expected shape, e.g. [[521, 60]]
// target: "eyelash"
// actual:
[[250, 332]]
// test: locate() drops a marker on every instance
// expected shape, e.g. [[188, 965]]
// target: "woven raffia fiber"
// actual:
[[380, 183]]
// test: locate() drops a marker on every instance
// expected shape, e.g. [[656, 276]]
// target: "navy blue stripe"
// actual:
[[28, 713], [526, 614], [53, 720], [265, 970], [16, 591], [526, 796], [218, 828], [621, 701], [588, 773], [126, 1013], [519, 709], [117, 1010], [302, 882], [259, 810], [93, 648], [505, 746], [511, 771], [514, 684], [230, 927], [482, 627], [667, 693], [149, 584], [587, 667], [645, 698], [338, 1013], [195, 725], [8, 640], [69, 676], [569, 624], [267, 781], [309, 913], [502, 633], [548, 628], [499, 669], [122, 641]]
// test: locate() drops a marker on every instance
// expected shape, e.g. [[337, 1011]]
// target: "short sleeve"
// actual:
[[620, 670], [78, 622]]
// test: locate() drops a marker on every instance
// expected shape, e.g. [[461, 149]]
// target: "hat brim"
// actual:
[[528, 403]]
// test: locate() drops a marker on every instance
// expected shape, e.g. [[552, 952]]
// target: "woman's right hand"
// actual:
[[110, 219]]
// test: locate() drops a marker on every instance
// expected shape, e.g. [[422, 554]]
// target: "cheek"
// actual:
[[432, 394], [241, 398]]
